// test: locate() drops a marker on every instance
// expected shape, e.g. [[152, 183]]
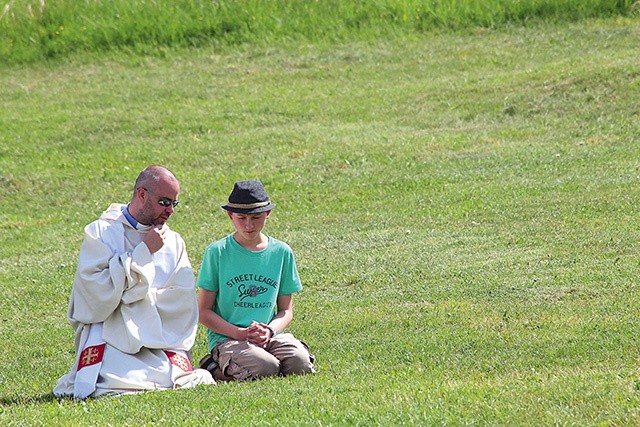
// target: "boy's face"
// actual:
[[249, 226]]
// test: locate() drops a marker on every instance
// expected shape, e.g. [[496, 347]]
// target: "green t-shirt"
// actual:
[[247, 284]]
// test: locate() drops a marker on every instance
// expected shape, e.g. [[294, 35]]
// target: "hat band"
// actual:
[[248, 205]]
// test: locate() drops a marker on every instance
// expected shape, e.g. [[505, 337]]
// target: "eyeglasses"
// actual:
[[164, 201]]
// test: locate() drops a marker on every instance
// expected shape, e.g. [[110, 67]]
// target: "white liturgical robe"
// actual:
[[134, 313]]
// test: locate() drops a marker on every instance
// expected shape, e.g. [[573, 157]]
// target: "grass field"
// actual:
[[462, 205], [36, 30]]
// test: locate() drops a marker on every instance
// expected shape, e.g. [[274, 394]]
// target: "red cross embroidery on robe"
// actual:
[[179, 360], [91, 356]]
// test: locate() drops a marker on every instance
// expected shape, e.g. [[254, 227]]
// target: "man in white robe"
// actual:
[[133, 303]]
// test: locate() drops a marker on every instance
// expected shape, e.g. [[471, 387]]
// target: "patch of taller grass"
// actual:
[[36, 30]]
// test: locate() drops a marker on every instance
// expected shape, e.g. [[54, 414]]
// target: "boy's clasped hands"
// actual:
[[259, 334]]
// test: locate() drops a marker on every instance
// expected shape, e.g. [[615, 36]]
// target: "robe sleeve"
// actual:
[[107, 275], [176, 307], [166, 318]]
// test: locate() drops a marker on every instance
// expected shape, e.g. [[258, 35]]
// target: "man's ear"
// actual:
[[230, 215], [141, 193], [268, 213]]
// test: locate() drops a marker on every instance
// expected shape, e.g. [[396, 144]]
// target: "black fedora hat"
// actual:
[[248, 197]]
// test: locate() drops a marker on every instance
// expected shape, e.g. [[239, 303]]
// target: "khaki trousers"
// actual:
[[242, 360]]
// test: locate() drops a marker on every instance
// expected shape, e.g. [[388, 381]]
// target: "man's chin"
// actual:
[[160, 221]]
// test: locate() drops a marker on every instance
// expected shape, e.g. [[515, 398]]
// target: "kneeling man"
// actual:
[[133, 304]]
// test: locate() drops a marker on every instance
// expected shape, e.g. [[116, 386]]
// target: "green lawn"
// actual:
[[463, 208]]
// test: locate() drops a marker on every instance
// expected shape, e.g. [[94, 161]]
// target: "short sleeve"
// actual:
[[209, 269], [290, 281]]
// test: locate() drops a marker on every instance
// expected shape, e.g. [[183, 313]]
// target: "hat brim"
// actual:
[[249, 211]]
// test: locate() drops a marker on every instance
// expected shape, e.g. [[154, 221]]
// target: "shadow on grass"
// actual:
[[26, 400]]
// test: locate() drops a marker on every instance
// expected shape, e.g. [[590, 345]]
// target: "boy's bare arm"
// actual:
[[213, 321], [284, 316]]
